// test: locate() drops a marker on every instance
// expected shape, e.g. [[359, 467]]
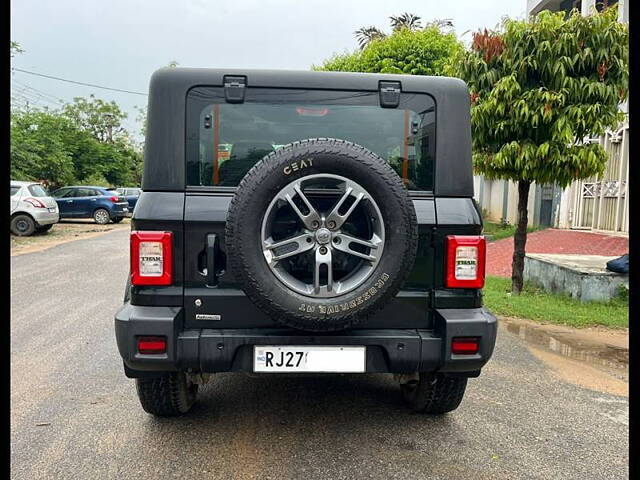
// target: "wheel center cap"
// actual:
[[323, 236]]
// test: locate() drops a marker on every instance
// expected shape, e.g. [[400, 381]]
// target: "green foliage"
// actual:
[[38, 148], [102, 119], [539, 88], [417, 52], [83, 143], [406, 20], [97, 180], [498, 231], [14, 48], [538, 305]]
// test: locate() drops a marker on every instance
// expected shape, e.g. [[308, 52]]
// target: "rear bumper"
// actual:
[[225, 350], [119, 210], [45, 217]]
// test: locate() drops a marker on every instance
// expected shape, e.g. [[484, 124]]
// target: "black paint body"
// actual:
[[422, 316]]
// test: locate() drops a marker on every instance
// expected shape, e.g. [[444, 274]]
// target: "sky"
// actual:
[[119, 43]]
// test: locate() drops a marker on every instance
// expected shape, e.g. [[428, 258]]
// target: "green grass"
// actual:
[[499, 231], [538, 305]]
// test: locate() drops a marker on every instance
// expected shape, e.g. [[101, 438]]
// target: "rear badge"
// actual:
[[205, 316]]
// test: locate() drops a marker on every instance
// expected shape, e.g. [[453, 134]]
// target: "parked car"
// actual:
[[131, 194], [100, 203], [32, 208], [335, 238]]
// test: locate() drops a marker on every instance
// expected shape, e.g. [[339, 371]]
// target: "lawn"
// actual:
[[538, 305], [498, 231]]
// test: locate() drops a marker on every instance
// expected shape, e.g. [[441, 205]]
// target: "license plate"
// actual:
[[318, 359], [125, 209]]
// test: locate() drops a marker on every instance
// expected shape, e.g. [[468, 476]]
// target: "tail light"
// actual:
[[152, 345], [115, 199], [151, 258], [465, 261], [35, 202]]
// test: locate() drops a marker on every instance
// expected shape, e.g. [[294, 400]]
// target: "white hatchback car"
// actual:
[[32, 209]]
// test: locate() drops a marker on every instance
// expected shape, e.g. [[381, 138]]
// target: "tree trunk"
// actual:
[[520, 238]]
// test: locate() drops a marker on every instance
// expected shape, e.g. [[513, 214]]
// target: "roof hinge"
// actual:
[[234, 88], [389, 94]]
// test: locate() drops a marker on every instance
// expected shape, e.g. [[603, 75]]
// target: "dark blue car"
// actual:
[[100, 203]]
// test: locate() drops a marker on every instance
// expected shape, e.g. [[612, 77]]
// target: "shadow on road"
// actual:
[[357, 402]]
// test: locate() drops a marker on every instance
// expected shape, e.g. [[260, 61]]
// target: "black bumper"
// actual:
[[226, 350]]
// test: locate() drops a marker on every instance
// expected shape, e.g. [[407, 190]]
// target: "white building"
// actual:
[[598, 204]]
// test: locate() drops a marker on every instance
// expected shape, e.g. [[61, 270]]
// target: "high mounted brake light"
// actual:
[[465, 261], [151, 258], [312, 112]]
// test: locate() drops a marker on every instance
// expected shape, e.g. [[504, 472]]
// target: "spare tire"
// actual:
[[321, 233]]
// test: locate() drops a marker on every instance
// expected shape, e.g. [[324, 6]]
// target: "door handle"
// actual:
[[93, 199], [69, 201], [212, 250]]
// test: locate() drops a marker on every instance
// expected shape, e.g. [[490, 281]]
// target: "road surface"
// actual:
[[74, 414]]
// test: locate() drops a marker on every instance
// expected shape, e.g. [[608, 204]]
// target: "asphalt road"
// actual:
[[75, 415]]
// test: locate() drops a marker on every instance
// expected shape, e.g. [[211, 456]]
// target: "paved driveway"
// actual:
[[74, 414], [551, 240]]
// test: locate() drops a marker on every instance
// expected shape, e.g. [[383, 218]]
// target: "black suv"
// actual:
[[300, 221]]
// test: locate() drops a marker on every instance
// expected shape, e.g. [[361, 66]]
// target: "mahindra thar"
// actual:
[[307, 222]]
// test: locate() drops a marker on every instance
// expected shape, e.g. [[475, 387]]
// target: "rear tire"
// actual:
[[168, 395], [434, 393], [101, 216], [23, 225]]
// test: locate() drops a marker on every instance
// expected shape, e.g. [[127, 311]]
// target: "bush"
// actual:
[[416, 52]]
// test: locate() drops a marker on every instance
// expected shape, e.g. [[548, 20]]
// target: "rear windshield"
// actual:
[[224, 140], [36, 190]]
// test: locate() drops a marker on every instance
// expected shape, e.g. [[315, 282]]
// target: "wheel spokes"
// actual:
[[317, 237], [296, 245], [334, 217], [323, 259], [343, 243], [310, 220]]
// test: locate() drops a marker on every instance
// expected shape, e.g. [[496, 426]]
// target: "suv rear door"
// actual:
[[404, 136]]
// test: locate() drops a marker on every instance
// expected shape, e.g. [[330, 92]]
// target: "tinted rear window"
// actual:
[[37, 191], [225, 140]]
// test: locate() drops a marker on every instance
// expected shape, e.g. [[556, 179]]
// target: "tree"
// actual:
[[417, 52], [100, 118], [406, 20], [69, 146], [38, 149], [538, 89], [409, 21], [14, 48], [366, 35]]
